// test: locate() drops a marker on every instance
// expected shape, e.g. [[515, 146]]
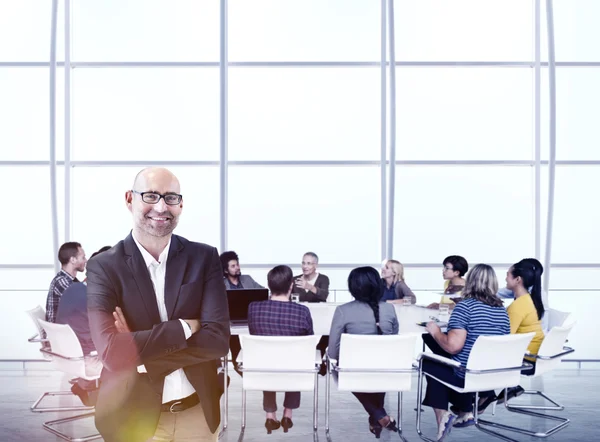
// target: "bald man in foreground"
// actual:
[[159, 318]]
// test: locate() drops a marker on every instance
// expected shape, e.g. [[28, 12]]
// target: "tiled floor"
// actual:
[[576, 389]]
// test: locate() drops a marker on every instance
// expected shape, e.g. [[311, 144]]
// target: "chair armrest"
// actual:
[[566, 351], [56, 355], [275, 370], [440, 359], [93, 353], [36, 338]]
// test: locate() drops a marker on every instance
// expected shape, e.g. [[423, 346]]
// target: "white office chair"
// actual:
[[556, 318], [67, 356], [36, 315], [495, 363], [372, 364], [548, 358], [279, 363]]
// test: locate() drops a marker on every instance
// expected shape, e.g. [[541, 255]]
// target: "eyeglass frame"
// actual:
[[141, 194]]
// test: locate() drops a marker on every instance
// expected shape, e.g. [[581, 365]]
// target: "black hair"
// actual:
[[103, 249], [530, 270], [280, 279], [225, 258], [459, 264], [365, 285]]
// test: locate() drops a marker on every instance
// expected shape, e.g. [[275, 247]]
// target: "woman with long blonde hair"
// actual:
[[395, 288]]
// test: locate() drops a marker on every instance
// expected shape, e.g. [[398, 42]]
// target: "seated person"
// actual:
[[279, 317], [479, 313], [72, 311], [455, 267], [395, 289], [72, 260], [232, 275], [234, 280], [311, 285], [526, 311], [506, 293], [366, 315]]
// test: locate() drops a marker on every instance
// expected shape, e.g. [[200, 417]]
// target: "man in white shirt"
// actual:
[[159, 319]]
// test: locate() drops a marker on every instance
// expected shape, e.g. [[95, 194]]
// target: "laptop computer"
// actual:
[[239, 301]]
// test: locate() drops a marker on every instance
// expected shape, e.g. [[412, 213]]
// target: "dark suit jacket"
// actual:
[[322, 285], [72, 311], [128, 406]]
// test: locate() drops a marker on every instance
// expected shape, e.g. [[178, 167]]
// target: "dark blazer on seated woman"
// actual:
[[357, 318], [322, 286]]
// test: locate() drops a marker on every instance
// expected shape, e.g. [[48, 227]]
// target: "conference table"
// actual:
[[322, 315]]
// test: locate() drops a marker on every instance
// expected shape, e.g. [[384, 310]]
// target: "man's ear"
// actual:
[[129, 199]]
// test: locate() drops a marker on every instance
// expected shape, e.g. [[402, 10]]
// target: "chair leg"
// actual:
[[327, 400], [526, 410], [316, 404], [49, 426], [419, 400], [243, 428], [556, 407], [399, 421], [482, 424], [37, 409]]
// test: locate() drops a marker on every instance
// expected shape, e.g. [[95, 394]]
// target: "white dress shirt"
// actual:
[[177, 385]]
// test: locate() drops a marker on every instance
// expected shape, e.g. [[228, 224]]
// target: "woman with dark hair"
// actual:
[[366, 315], [479, 313], [524, 279]]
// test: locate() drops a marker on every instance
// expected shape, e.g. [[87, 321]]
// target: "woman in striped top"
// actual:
[[481, 313]]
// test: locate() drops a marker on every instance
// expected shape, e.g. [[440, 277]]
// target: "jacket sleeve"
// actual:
[[253, 283], [335, 334], [213, 337], [124, 351], [403, 291]]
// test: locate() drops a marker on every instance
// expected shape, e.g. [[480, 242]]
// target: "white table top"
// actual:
[[322, 315]]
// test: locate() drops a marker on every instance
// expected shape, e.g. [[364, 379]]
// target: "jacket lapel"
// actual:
[[141, 276], [176, 263]]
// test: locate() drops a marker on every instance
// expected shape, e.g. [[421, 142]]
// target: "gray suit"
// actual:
[[246, 281], [357, 318]]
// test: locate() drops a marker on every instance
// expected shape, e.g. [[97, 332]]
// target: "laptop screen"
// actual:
[[239, 300]]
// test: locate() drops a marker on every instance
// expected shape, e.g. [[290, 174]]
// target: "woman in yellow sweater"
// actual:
[[526, 311]]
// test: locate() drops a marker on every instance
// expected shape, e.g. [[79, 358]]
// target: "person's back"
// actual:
[[72, 311], [478, 319], [524, 319], [276, 318], [358, 318]]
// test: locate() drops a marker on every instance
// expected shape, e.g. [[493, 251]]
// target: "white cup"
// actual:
[[406, 301], [444, 309], [295, 297]]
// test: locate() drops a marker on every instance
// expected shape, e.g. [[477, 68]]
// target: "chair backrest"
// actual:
[[496, 353], [64, 342], [36, 315], [279, 353], [376, 352], [322, 315], [552, 344], [556, 318]]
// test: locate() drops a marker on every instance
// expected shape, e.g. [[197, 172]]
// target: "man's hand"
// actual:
[[194, 324], [303, 284], [120, 321]]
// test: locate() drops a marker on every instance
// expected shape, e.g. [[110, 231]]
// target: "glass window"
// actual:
[[482, 213], [100, 215], [576, 216], [304, 30], [30, 227], [304, 114], [24, 106], [577, 110], [464, 30], [575, 28], [25, 30], [146, 30], [30, 279], [574, 279], [464, 114], [276, 214], [145, 114]]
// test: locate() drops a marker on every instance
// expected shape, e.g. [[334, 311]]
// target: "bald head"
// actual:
[[152, 175]]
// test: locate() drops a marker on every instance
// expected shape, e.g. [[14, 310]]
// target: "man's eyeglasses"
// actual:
[[171, 199]]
